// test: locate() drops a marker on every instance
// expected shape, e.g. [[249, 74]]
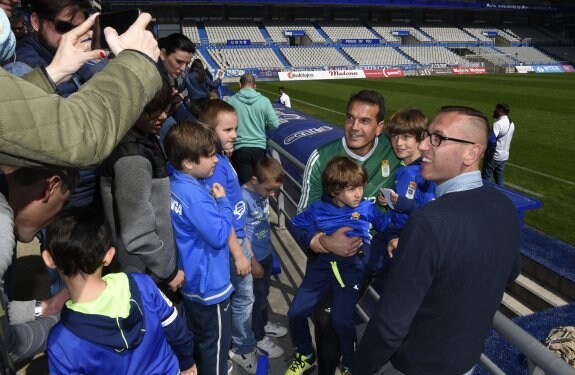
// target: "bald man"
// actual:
[[454, 258]]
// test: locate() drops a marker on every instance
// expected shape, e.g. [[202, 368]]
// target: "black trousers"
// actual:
[[243, 159]]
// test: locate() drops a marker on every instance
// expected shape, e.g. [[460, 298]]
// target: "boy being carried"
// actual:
[[342, 205], [202, 220], [118, 319]]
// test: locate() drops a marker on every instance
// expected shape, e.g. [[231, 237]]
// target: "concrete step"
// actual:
[[515, 306], [541, 291]]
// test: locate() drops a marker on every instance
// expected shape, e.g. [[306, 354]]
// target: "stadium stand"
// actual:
[[433, 55], [564, 54], [376, 56], [448, 34], [493, 56], [346, 30], [314, 56], [535, 36], [527, 55], [276, 31], [385, 31], [219, 32], [477, 32], [190, 29], [262, 57]]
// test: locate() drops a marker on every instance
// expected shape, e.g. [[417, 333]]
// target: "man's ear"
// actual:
[[109, 256], [254, 180], [163, 54], [48, 260], [380, 126], [52, 183], [35, 22], [473, 155]]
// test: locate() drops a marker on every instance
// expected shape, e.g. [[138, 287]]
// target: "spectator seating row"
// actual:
[[376, 56], [219, 32], [535, 35], [277, 29], [450, 34], [433, 55], [314, 56], [562, 53], [261, 57], [190, 29], [346, 30], [494, 56], [527, 55], [385, 31]]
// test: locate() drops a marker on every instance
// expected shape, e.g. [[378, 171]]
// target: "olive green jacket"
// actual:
[[38, 127]]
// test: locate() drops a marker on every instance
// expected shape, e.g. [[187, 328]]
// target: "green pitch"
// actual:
[[542, 107]]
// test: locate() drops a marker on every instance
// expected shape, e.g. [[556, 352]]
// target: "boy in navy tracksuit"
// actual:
[[405, 129], [112, 324], [202, 219], [342, 205]]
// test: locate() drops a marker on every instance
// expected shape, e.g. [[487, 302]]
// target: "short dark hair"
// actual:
[[78, 240], [211, 109], [477, 117], [370, 97], [162, 99], [341, 172], [502, 108], [407, 121], [247, 79], [269, 169], [176, 41], [27, 176], [49, 9], [189, 140], [282, 88]]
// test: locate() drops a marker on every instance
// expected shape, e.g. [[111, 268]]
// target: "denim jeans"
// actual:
[[261, 292], [493, 168], [243, 340]]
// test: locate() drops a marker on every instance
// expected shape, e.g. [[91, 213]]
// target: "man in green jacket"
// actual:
[[39, 129], [255, 113]]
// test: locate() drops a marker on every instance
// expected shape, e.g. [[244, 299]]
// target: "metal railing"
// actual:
[[541, 361]]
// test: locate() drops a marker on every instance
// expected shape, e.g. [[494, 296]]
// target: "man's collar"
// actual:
[[356, 156], [462, 182]]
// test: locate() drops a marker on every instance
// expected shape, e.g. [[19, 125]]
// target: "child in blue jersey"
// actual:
[[116, 324], [405, 129], [202, 219], [342, 205], [267, 179], [223, 118]]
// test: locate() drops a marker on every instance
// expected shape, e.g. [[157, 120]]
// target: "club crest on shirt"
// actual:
[[411, 188], [385, 170], [355, 216]]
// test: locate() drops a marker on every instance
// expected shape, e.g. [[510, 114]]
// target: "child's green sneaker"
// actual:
[[301, 364]]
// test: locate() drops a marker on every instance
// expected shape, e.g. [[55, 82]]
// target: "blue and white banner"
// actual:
[[400, 32], [239, 42], [489, 33], [548, 69], [359, 41], [294, 32]]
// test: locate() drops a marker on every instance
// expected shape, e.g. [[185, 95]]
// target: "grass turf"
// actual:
[[542, 108]]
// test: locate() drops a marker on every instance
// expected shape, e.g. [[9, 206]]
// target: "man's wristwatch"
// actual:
[[38, 309]]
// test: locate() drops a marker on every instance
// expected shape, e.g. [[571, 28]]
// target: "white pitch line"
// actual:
[[508, 163], [517, 187], [541, 174], [306, 103]]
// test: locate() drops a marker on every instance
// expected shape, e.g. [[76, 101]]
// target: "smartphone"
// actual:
[[120, 21]]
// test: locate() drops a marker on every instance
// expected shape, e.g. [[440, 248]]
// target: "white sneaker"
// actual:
[[267, 346], [275, 330], [246, 361]]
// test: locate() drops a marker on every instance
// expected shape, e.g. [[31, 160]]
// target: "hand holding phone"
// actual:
[[119, 21]]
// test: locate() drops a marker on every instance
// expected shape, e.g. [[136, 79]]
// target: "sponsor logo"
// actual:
[[240, 209], [340, 73], [293, 75], [305, 133]]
